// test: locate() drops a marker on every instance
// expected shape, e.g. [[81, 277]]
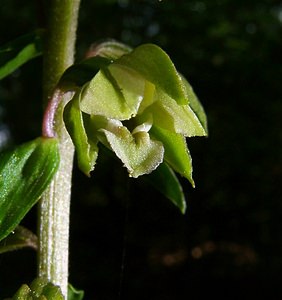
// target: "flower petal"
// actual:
[[174, 117], [165, 181], [195, 104], [176, 151], [115, 92], [139, 153], [151, 62], [86, 149]]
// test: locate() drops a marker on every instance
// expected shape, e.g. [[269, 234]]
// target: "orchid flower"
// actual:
[[138, 106]]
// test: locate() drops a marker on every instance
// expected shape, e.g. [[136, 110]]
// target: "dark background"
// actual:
[[127, 240]]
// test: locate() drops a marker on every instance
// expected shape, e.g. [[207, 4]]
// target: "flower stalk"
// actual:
[[54, 207]]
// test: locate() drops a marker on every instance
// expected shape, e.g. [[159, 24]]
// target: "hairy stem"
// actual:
[[54, 206]]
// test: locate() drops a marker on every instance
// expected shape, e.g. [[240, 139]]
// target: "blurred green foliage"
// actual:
[[229, 243]]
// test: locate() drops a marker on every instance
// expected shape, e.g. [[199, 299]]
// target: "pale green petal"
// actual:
[[176, 151], [131, 84], [174, 117], [151, 62], [149, 96], [115, 93], [195, 104], [86, 147], [139, 153]]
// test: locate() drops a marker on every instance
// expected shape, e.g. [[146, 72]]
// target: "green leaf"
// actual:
[[74, 294], [86, 149], [40, 289], [176, 151], [164, 180], [18, 239], [25, 172], [154, 65], [18, 52], [139, 153]]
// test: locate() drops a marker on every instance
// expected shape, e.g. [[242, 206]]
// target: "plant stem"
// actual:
[[54, 206]]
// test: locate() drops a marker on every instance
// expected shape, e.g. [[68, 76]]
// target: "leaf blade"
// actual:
[[18, 52], [25, 172]]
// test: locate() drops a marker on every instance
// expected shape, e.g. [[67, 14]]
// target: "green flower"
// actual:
[[138, 106]]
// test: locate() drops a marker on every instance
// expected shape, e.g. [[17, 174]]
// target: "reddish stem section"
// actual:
[[49, 114]]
